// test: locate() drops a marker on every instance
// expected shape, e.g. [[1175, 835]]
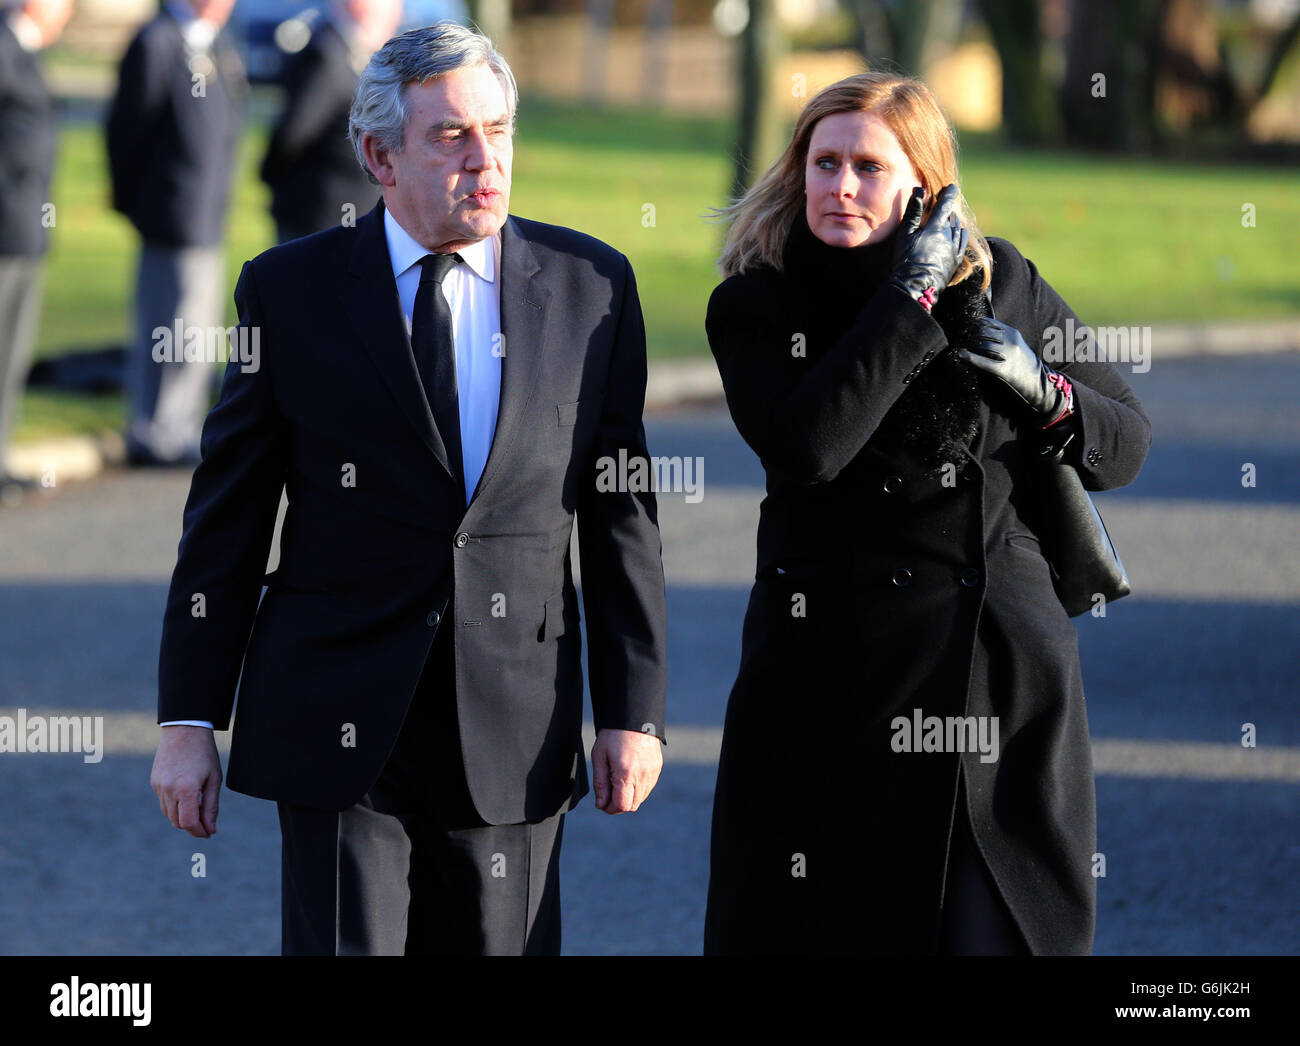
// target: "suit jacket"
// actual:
[[378, 550], [27, 146], [172, 152], [310, 164]]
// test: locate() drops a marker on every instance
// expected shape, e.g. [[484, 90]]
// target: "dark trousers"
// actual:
[[168, 398], [412, 869], [976, 921]]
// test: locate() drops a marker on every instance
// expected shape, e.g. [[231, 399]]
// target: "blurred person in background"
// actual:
[[28, 131], [173, 136], [310, 165], [900, 428]]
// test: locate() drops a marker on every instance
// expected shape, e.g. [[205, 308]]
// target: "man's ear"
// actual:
[[378, 161]]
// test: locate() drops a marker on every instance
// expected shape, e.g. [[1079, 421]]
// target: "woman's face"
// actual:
[[857, 180]]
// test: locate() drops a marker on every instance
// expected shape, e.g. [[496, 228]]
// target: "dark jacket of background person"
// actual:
[[171, 154], [28, 130], [916, 595], [370, 569], [310, 164]]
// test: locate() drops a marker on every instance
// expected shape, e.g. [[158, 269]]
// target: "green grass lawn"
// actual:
[[1125, 241]]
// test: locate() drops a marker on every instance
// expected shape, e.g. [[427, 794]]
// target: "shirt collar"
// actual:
[[404, 251], [198, 32], [25, 31]]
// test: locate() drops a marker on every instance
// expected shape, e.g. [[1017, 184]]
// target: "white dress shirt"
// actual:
[[198, 32], [26, 32], [474, 294]]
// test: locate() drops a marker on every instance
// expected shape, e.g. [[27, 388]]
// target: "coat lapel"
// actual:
[[372, 306], [524, 307]]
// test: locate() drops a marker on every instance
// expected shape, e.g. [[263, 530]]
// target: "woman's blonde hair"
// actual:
[[761, 219]]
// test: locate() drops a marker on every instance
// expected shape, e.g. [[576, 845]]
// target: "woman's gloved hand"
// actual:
[[925, 258], [1046, 394]]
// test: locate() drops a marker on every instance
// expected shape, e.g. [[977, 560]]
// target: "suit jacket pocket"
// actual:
[[1024, 542], [553, 622]]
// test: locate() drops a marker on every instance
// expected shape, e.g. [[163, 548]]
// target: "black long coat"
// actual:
[[883, 587]]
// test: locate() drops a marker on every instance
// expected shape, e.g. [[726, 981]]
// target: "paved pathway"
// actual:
[[1202, 837]]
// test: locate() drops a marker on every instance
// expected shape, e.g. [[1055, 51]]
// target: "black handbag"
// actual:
[[1071, 533]]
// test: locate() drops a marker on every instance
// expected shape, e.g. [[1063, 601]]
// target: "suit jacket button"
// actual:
[[892, 484], [902, 576], [433, 619], [462, 539], [970, 577]]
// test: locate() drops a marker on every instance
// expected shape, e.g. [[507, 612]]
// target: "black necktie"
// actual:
[[435, 354]]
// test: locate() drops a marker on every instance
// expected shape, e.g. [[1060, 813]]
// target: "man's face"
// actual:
[[857, 178], [215, 11], [50, 17], [450, 185], [376, 20]]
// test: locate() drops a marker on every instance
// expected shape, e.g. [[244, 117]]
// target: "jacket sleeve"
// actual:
[[228, 524], [312, 100], [1114, 433], [620, 550], [133, 114], [810, 419]]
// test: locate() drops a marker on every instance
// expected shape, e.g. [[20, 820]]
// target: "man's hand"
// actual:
[[627, 765], [187, 778]]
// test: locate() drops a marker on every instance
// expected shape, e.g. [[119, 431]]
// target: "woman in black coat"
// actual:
[[898, 584]]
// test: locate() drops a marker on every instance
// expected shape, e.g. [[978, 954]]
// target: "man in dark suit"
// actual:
[[310, 164], [437, 391], [173, 135], [27, 145]]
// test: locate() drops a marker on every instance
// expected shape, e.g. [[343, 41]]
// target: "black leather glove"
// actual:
[[925, 258], [1046, 394]]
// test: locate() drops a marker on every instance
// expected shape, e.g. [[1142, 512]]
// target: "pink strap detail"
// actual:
[[1062, 383]]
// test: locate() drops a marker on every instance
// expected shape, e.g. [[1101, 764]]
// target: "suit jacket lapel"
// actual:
[[524, 307], [372, 306]]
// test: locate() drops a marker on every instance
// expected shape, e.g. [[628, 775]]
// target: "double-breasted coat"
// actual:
[[884, 587]]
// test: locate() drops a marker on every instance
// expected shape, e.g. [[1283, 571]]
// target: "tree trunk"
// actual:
[[658, 35], [761, 127], [493, 17], [600, 21], [1028, 111]]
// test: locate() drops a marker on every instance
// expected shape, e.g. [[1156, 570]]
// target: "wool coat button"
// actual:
[[433, 619], [462, 539], [892, 484], [902, 576], [970, 577]]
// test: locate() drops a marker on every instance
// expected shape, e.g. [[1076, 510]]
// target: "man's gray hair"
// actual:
[[414, 57]]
